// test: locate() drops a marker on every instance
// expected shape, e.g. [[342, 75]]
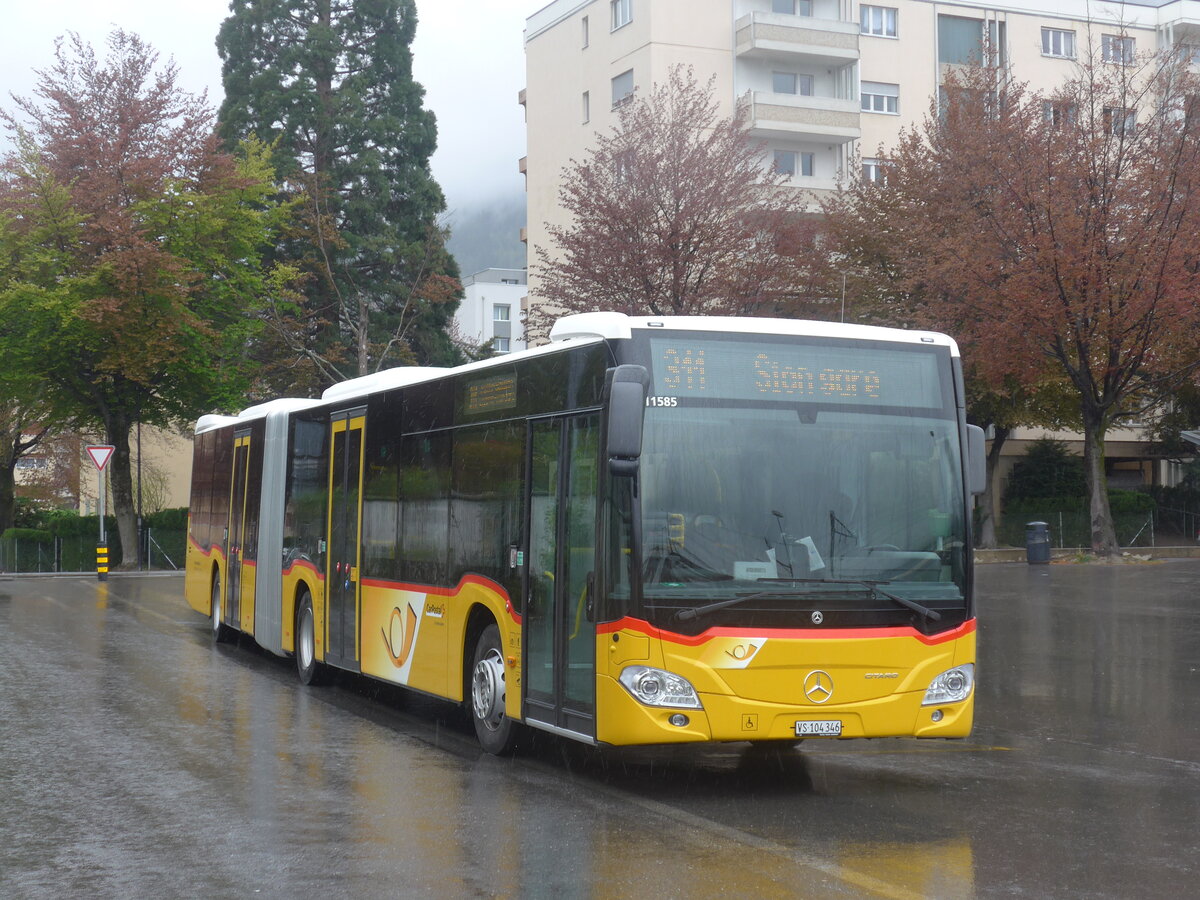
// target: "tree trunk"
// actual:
[[8, 494], [987, 500], [1104, 534], [120, 482], [364, 357]]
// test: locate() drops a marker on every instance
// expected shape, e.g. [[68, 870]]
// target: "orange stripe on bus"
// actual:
[[803, 634]]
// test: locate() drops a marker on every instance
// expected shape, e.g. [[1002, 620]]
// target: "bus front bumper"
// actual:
[[623, 720]]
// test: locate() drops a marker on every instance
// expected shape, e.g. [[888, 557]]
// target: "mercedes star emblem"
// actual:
[[818, 686]]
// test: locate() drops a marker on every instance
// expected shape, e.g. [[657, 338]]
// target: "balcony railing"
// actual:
[[762, 34], [801, 118]]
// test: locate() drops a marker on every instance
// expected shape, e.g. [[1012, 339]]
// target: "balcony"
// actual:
[[763, 35], [795, 117]]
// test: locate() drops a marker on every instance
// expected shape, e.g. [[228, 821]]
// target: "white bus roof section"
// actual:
[[382, 381], [250, 413], [618, 326]]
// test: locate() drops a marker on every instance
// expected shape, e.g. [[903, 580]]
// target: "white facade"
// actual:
[[493, 309], [829, 83]]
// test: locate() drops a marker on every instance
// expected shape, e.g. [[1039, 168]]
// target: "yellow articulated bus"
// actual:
[[649, 531]]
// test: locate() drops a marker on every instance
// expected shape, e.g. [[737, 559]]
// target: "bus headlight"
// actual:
[[655, 687], [951, 686]]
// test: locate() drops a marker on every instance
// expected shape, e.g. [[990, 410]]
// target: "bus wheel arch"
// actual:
[[486, 686], [311, 671], [221, 633]]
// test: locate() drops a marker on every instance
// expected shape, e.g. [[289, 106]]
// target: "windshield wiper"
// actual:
[[686, 615]]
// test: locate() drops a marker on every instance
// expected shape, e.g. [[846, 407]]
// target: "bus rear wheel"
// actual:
[[307, 667], [221, 632], [496, 732]]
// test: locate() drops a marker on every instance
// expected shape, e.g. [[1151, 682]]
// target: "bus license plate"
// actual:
[[819, 728]]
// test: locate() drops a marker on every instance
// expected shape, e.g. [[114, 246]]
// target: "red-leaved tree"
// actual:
[[1058, 235], [673, 213]]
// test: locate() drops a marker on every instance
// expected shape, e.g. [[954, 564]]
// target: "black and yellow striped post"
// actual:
[[102, 561]]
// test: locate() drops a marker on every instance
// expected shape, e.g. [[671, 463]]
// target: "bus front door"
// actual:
[[345, 519], [560, 632], [236, 549]]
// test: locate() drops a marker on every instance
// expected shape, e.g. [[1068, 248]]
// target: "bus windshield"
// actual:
[[827, 485]]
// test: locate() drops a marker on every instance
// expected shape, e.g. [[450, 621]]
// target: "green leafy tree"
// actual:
[[1048, 470], [328, 84], [134, 250]]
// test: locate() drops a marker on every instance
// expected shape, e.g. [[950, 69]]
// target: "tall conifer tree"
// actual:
[[329, 82]]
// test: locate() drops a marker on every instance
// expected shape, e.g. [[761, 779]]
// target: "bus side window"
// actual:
[[425, 509], [485, 511]]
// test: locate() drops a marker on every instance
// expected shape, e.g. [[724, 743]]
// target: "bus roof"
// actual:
[[582, 328], [251, 413], [618, 326]]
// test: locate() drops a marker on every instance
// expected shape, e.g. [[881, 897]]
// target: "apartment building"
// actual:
[[829, 84], [491, 309]]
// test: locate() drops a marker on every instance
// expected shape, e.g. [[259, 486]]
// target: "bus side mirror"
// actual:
[[626, 412], [976, 460]]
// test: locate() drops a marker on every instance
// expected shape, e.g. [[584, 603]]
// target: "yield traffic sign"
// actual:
[[100, 454]]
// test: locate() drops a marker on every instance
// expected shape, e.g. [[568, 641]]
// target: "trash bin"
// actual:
[[1037, 543]]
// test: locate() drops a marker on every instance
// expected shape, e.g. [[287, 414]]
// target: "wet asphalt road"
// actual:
[[138, 760]]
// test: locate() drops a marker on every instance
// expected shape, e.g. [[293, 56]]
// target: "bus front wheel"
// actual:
[[496, 732], [221, 632], [307, 667]]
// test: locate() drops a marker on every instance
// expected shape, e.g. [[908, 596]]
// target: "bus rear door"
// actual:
[[345, 521], [238, 569]]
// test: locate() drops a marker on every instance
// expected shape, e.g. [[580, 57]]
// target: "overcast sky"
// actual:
[[468, 54]]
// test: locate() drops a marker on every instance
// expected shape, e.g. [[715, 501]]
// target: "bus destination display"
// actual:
[[490, 394], [734, 370]]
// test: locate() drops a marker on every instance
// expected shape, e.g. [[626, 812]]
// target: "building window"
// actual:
[[500, 312], [623, 166], [874, 171], [791, 83], [1115, 48], [1058, 113], [501, 345], [792, 7], [509, 281], [961, 40], [1056, 42], [879, 97], [587, 106], [878, 20], [585, 31], [792, 163], [622, 87], [1119, 121], [622, 13]]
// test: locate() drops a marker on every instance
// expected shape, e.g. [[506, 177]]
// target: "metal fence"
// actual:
[[1159, 528], [161, 549]]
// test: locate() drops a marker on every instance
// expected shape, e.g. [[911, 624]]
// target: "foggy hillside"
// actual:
[[488, 235]]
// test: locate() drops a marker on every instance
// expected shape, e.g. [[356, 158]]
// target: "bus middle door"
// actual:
[[345, 522], [560, 632]]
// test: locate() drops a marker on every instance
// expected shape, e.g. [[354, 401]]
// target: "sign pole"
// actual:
[[100, 455]]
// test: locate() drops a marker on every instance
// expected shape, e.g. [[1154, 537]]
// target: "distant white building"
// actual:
[[493, 308]]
